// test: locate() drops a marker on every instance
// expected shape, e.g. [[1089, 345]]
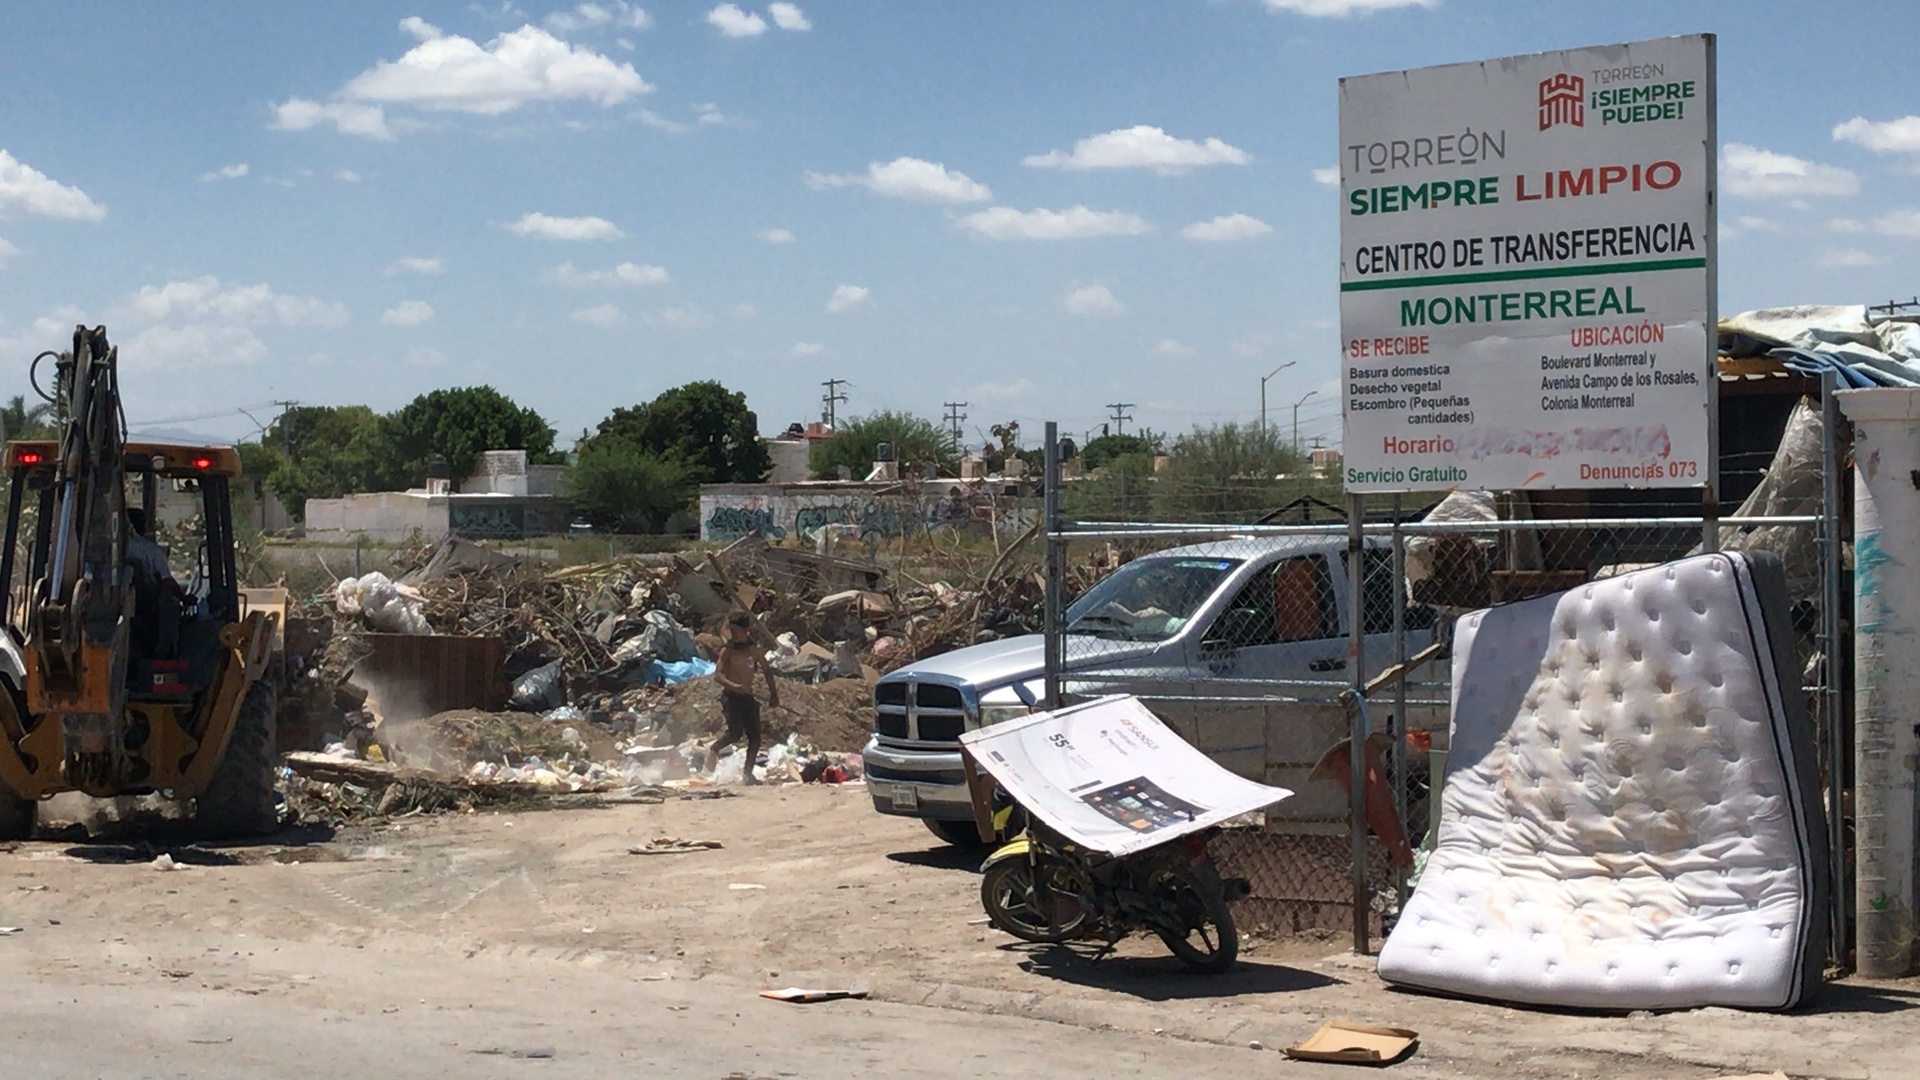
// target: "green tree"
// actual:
[[621, 487], [1121, 489], [703, 425], [324, 452], [459, 424], [1106, 448], [21, 422], [1231, 472], [916, 442]]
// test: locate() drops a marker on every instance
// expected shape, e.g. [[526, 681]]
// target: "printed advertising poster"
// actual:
[[1111, 777], [1527, 271]]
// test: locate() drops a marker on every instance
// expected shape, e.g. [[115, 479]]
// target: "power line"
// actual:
[[1120, 416]]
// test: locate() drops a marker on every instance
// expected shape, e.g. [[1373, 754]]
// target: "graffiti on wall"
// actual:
[[734, 522], [500, 522]]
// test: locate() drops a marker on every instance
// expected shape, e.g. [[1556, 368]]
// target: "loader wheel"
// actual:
[[16, 815], [239, 800]]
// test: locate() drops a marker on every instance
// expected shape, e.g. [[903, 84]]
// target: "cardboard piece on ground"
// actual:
[[806, 997], [1355, 1044], [1774, 1075]]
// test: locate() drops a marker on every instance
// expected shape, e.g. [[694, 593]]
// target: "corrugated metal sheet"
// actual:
[[436, 672]]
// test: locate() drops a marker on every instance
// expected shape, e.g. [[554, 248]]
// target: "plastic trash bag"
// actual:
[[660, 672], [539, 690]]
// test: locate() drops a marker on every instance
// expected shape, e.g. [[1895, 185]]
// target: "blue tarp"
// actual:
[[660, 671]]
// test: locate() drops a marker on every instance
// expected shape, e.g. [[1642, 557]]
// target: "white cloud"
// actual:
[[1006, 223], [1900, 136], [224, 172], [424, 356], [1843, 258], [206, 298], [606, 315], [196, 345], [744, 310], [847, 298], [1329, 176], [407, 313], [346, 176], [736, 23], [26, 190], [1093, 301], [1228, 227], [808, 348], [1171, 347], [679, 318], [528, 64], [1744, 224], [1899, 223], [1845, 225], [1342, 8], [7, 251], [447, 72], [1000, 391], [1140, 147], [788, 16], [626, 273], [348, 118], [910, 178], [1763, 174], [775, 236], [705, 115], [595, 16], [416, 265], [564, 228], [420, 28]]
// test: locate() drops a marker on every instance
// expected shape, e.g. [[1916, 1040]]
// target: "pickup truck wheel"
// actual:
[[961, 834], [239, 801], [16, 815]]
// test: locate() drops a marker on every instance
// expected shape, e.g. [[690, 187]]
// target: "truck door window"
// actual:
[[1290, 601]]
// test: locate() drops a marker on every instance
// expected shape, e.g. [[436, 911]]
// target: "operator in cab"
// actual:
[[149, 560]]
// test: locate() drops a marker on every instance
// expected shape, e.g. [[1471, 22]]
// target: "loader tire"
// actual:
[[239, 800], [16, 815]]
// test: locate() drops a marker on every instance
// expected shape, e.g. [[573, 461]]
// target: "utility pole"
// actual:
[[1120, 416], [286, 435], [954, 417], [1894, 307], [833, 395]]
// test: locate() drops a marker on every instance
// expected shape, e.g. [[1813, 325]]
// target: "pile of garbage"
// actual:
[[465, 760]]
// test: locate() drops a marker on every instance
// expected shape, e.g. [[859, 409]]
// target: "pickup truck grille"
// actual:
[[919, 712]]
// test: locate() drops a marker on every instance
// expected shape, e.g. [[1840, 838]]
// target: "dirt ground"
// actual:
[[495, 944]]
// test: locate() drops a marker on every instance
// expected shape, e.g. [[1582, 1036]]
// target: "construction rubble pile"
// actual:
[[605, 685]]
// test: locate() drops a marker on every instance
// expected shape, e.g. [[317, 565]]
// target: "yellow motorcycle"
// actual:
[[1042, 888]]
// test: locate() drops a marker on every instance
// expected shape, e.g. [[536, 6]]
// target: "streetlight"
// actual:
[[1296, 418], [1263, 392]]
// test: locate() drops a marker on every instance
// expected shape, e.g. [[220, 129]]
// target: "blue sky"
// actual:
[[1035, 208]]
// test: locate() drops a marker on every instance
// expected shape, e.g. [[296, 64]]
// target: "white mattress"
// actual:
[[1630, 818]]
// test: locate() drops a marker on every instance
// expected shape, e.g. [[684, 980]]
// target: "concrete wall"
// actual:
[[882, 511], [384, 515], [791, 460]]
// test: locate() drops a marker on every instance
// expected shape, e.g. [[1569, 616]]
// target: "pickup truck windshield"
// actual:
[[1147, 599]]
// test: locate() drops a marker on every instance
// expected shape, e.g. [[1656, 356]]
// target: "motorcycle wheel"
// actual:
[[1206, 940], [1007, 894]]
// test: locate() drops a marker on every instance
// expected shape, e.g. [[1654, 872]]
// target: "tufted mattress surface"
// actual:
[[1630, 817]]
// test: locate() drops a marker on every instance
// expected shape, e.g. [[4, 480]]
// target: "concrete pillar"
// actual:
[[1886, 590]]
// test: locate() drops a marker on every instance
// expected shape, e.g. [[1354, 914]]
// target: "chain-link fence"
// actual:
[[1275, 648]]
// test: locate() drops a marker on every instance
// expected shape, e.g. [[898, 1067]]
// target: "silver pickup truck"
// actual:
[[1250, 610]]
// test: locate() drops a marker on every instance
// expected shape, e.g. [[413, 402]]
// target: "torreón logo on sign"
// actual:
[[1563, 101]]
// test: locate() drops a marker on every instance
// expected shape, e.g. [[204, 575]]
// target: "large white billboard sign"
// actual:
[[1527, 271]]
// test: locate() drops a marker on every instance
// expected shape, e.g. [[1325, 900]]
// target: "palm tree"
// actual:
[[17, 421]]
